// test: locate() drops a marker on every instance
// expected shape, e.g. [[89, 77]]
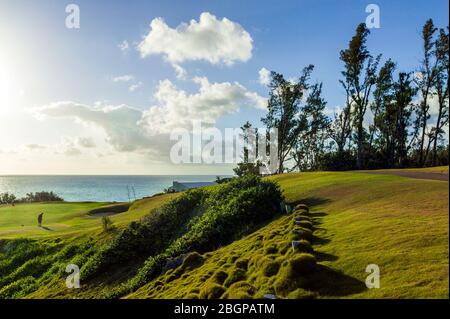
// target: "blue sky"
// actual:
[[51, 63]]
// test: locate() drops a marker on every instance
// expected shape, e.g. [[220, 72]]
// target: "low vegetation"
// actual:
[[232, 241], [7, 198]]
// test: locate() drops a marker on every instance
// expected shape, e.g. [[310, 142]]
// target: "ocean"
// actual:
[[95, 188]]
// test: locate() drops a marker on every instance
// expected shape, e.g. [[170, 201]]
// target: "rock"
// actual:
[[269, 296]]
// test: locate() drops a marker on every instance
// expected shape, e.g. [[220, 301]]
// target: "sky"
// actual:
[[103, 98]]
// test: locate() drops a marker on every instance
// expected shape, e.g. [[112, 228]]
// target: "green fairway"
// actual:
[[66, 218]]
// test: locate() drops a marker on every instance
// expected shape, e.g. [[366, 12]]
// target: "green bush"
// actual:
[[106, 223], [149, 237], [18, 288], [222, 214]]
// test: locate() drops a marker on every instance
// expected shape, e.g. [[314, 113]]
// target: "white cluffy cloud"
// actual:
[[177, 108], [264, 76], [209, 39], [128, 129]]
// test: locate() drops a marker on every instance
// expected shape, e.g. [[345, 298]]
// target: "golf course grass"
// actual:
[[398, 223], [68, 219]]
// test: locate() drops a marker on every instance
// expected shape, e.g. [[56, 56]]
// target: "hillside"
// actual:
[[398, 223]]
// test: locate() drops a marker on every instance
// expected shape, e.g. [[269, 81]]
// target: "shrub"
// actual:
[[223, 213], [18, 288], [41, 197], [303, 264], [7, 198], [212, 291], [106, 223], [337, 161]]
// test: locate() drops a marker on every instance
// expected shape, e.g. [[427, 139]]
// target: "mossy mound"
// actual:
[[302, 246], [271, 249], [271, 268], [192, 261], [212, 291], [242, 264], [299, 233], [240, 290], [301, 207], [300, 293], [302, 218], [219, 277], [237, 274], [304, 224], [303, 264]]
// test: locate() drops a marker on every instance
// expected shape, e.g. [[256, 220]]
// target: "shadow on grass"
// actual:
[[321, 256], [326, 281], [46, 228], [329, 282], [319, 241]]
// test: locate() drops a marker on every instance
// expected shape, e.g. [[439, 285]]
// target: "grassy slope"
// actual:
[[398, 223], [67, 219]]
